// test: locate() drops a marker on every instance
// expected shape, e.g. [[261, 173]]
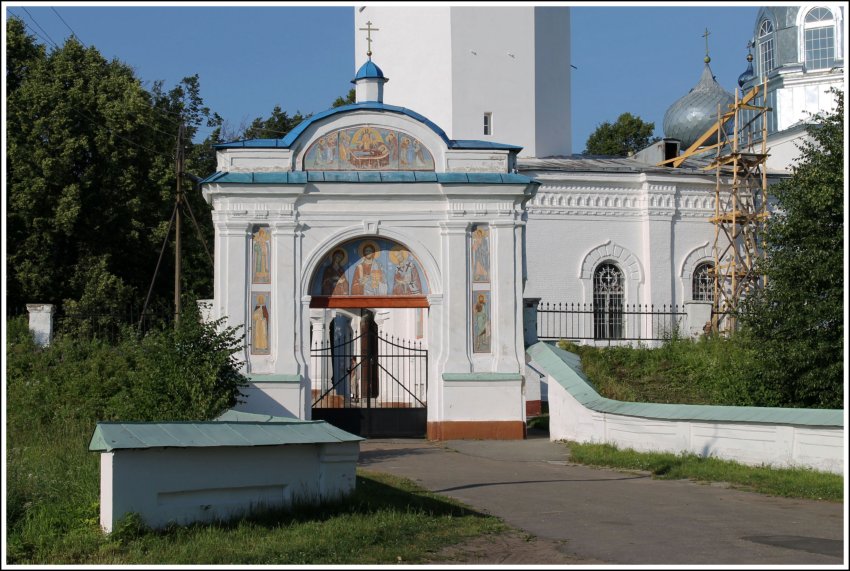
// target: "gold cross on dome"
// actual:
[[369, 29], [705, 35]]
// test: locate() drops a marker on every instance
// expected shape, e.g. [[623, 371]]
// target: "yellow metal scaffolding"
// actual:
[[740, 210]]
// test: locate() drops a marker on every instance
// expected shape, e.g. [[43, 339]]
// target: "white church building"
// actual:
[[384, 256]]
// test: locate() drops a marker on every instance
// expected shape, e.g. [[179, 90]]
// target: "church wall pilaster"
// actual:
[[455, 350], [657, 244], [507, 296], [231, 276], [289, 359]]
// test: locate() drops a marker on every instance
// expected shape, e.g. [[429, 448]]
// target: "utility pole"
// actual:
[[177, 245]]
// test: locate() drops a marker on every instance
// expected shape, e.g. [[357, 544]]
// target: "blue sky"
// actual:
[[631, 58]]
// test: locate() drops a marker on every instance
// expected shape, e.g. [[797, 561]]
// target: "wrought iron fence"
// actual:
[[577, 321]]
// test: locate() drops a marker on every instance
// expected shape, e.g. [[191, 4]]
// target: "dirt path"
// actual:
[[513, 547]]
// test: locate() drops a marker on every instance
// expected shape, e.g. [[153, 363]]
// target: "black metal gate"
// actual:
[[370, 385]]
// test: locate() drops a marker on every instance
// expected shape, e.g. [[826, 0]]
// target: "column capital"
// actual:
[[454, 226]]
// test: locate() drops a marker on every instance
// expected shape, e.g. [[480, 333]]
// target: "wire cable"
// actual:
[[73, 33], [40, 28]]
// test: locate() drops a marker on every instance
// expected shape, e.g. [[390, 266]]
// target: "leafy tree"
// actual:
[[348, 100], [275, 127], [91, 177], [628, 134], [797, 318]]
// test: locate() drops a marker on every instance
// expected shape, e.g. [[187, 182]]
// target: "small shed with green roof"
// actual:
[[183, 472]]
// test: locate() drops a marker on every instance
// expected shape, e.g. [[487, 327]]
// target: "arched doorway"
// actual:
[[369, 368]]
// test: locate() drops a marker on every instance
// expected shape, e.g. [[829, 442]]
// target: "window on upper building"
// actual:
[[488, 123], [608, 289], [767, 56], [703, 282], [819, 35]]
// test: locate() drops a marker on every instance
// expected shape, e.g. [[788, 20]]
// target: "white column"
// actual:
[[41, 322], [231, 276], [436, 352], [455, 343], [286, 296], [320, 363], [507, 297]]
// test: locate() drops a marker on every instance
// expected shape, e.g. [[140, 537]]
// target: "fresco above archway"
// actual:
[[367, 148], [372, 271]]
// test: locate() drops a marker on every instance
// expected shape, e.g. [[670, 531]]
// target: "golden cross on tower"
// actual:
[[705, 35], [369, 29]]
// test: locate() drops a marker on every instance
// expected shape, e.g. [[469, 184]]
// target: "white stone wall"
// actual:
[[655, 228], [821, 448], [185, 485]]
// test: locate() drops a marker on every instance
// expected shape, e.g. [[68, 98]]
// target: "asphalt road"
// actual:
[[618, 517]]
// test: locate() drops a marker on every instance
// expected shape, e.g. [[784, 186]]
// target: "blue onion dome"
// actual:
[[748, 73], [369, 71], [692, 115]]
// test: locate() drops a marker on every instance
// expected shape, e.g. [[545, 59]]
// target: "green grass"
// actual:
[[709, 370], [54, 399], [53, 517], [790, 483]]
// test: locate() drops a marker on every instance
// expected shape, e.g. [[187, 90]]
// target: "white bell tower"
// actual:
[[491, 73]]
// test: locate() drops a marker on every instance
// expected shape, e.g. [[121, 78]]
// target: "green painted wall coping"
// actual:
[[565, 368], [483, 377], [109, 436], [257, 378]]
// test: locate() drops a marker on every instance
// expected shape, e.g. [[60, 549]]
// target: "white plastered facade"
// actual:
[[431, 219]]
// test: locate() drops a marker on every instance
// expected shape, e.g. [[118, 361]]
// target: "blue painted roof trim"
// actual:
[[290, 138], [303, 177]]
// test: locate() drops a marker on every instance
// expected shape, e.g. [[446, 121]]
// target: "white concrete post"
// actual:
[[41, 322], [205, 308], [698, 313], [529, 320]]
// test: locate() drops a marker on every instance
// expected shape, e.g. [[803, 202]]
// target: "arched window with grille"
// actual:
[[608, 288], [819, 38], [767, 60], [703, 282]]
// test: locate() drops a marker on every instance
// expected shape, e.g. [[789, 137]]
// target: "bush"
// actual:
[[56, 394]]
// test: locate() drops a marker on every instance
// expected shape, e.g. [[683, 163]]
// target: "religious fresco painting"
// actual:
[[481, 321], [480, 254], [368, 148], [479, 261], [260, 311], [260, 259], [369, 267]]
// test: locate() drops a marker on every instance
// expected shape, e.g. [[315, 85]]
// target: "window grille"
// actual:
[[819, 36], [703, 282], [766, 51], [608, 302]]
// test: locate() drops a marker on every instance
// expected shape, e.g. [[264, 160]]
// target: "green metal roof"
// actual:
[[565, 368], [230, 429]]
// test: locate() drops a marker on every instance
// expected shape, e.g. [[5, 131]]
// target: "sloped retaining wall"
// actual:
[[184, 472], [781, 437]]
